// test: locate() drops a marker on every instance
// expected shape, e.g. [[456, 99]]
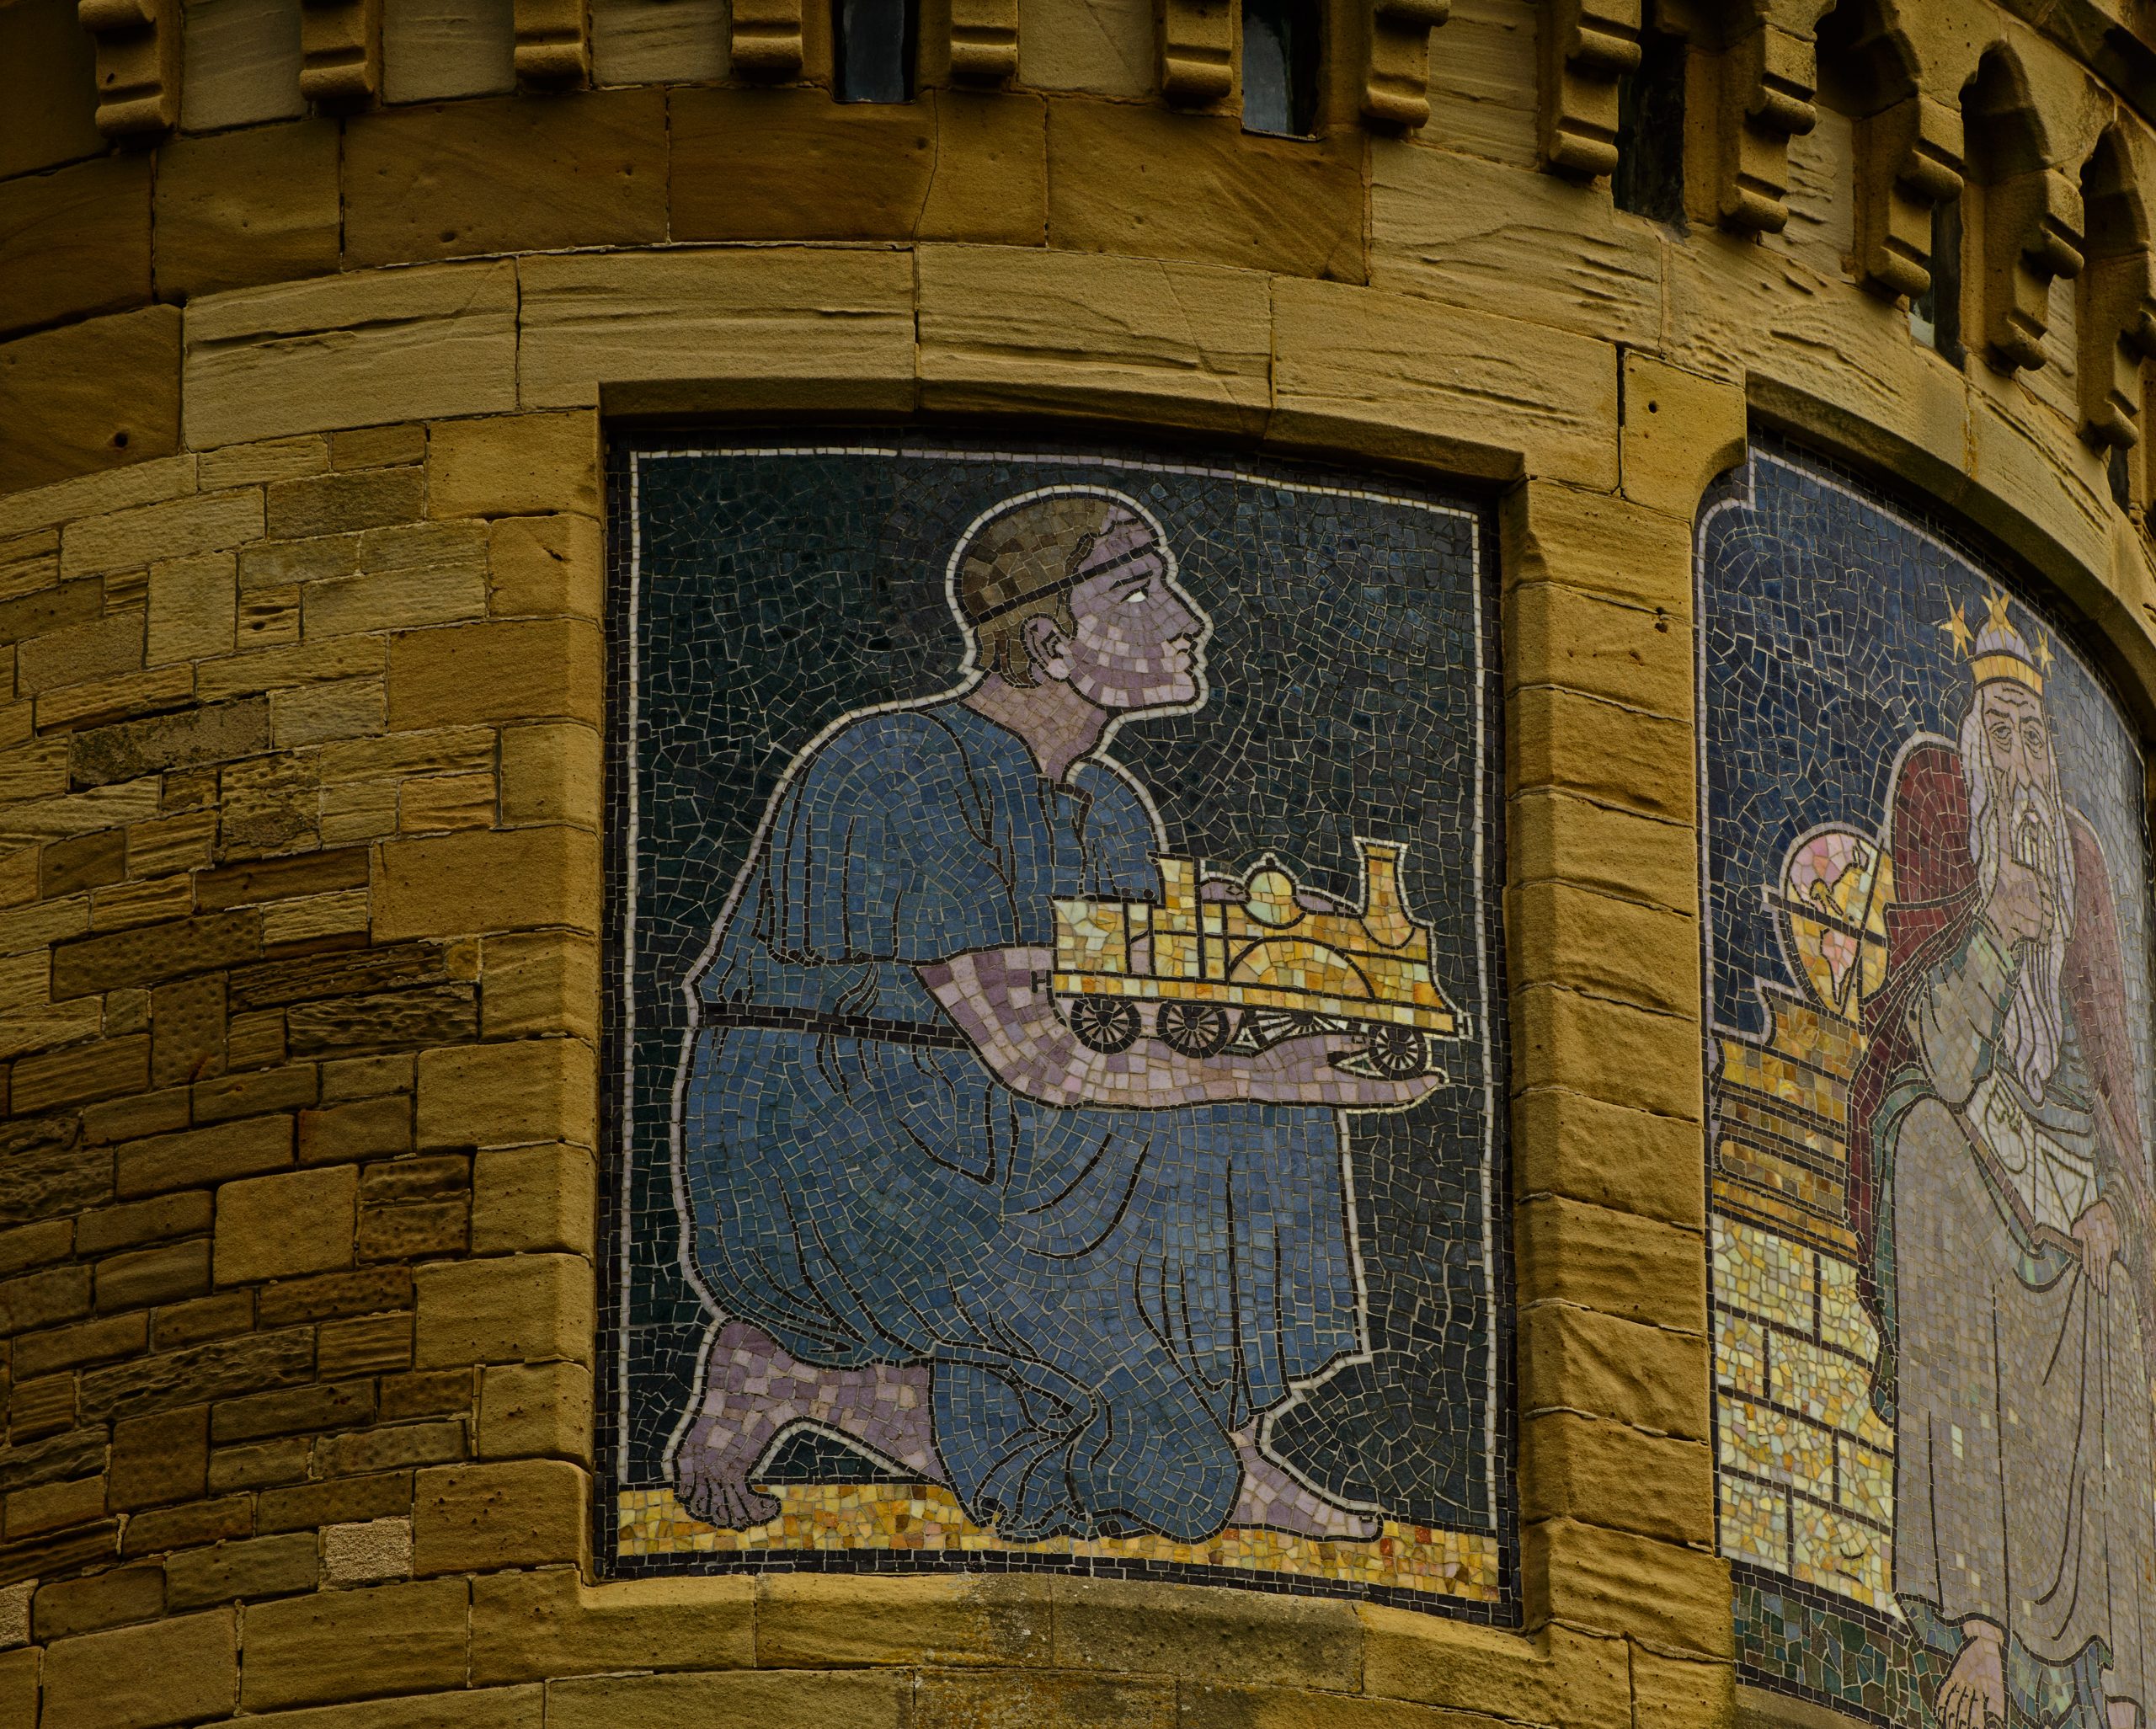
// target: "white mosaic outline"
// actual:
[[970, 674]]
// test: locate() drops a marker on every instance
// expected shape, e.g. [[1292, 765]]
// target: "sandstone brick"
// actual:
[[40, 1406], [269, 806], [41, 1028], [43, 1173], [391, 600], [193, 608], [1145, 182], [391, 1446], [159, 1458], [97, 701], [533, 1198], [291, 1411], [220, 732], [345, 503], [519, 1309], [203, 1318], [74, 242], [1574, 1359], [187, 1527], [51, 63], [526, 1090], [35, 1244], [169, 1672], [553, 774], [264, 1090], [18, 1679], [299, 1652], [308, 1506], [295, 1222], [49, 608], [151, 954], [220, 1369], [280, 879], [378, 446], [536, 1411], [1617, 949], [784, 165], [1680, 431], [211, 1154], [52, 819], [1677, 1598], [36, 1300], [1609, 1474], [116, 1599], [1556, 836], [517, 174], [1555, 634], [82, 862], [1567, 1038], [260, 1465], [81, 651], [57, 1458], [1568, 1143], [1156, 338], [1221, 1705], [367, 1552], [265, 459], [452, 884], [539, 983], [974, 1699], [437, 1393], [152, 1276], [1611, 1261], [806, 326], [264, 1566], [772, 1701], [141, 482], [415, 1179], [124, 907], [409, 344], [808, 1620], [509, 669], [1602, 751], [299, 663], [438, 803], [54, 1507], [207, 522], [1681, 1694], [256, 205], [178, 842], [546, 565], [98, 1341], [129, 1226], [351, 708], [368, 1344], [523, 1512], [1265, 1640], [82, 1073], [279, 565], [528, 464], [370, 1291], [364, 1129], [1559, 1676]]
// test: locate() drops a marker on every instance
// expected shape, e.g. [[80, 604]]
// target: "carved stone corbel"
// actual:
[[340, 51], [984, 42], [2116, 331], [767, 39], [2032, 234], [138, 64], [1196, 49], [553, 42], [1909, 158], [1396, 75], [1763, 99], [1588, 46]]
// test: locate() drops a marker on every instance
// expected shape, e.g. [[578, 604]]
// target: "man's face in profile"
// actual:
[[1139, 639]]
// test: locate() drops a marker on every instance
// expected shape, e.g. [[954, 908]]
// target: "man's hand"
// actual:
[[2018, 910], [2097, 1231], [999, 999]]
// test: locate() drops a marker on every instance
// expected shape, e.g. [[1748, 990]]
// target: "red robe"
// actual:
[[1936, 899]]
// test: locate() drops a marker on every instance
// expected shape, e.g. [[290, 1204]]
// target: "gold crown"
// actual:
[[1997, 650]]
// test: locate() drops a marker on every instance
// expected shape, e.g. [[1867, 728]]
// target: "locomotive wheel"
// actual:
[[1196, 1029], [1396, 1052], [1106, 1024]]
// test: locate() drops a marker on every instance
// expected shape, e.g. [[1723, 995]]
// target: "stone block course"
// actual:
[[300, 1651], [75, 242], [519, 1512], [174, 1671], [294, 1222], [254, 205], [511, 466]]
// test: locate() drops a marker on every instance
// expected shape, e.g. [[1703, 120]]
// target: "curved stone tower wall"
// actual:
[[311, 317]]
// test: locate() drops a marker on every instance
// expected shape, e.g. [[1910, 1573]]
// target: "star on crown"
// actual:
[[1996, 650]]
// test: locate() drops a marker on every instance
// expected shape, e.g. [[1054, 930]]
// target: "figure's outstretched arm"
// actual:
[[999, 998]]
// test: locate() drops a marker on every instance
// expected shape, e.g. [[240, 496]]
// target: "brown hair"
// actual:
[[1021, 564]]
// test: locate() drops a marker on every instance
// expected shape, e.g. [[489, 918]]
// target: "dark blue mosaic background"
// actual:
[[760, 596]]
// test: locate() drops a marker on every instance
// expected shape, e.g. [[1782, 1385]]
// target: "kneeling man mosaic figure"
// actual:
[[2001, 1188], [1068, 1281]]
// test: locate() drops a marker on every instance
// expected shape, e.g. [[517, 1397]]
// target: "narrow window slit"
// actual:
[[1280, 66], [872, 50]]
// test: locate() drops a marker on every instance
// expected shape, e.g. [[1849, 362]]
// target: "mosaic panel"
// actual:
[[1927, 876], [1053, 1063]]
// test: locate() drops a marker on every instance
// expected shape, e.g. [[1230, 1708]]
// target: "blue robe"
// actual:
[[1101, 1294]]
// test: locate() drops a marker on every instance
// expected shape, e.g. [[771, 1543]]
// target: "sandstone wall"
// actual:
[[299, 807]]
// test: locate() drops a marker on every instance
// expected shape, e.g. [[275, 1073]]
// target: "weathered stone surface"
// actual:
[[514, 670], [249, 1095], [785, 165], [54, 1460], [1556, 634], [525, 1512], [159, 1458], [1222, 1704], [265, 459], [501, 1095], [1160, 1628], [116, 1599], [1610, 1474], [536, 1411], [367, 1551], [1614, 1262], [1122, 335], [89, 397], [553, 774], [292, 1222], [1569, 1039], [1618, 949], [96, 649], [351, 351], [391, 967], [101, 1068], [368, 1127], [206, 522], [265, 1566], [146, 1277], [193, 609], [814, 1621], [533, 1198], [222, 1369], [237, 208], [155, 953], [1054, 1700], [391, 1446], [1144, 181], [812, 327], [52, 62], [524, 174], [45, 1172], [345, 503], [74, 242], [540, 982], [520, 1309], [307, 1505], [337, 1294], [212, 1154], [1575, 1359], [772, 1701], [1676, 1597], [527, 1626], [292, 1411], [219, 733], [526, 464], [454, 885], [1681, 430], [301, 1652], [1690, 1695], [105, 1228], [175, 1671], [1106, 47], [369, 1344], [1558, 836], [546, 565]]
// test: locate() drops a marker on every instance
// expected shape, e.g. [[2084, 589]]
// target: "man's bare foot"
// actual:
[[752, 1390], [2122, 1714], [1273, 1498], [1974, 1691]]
